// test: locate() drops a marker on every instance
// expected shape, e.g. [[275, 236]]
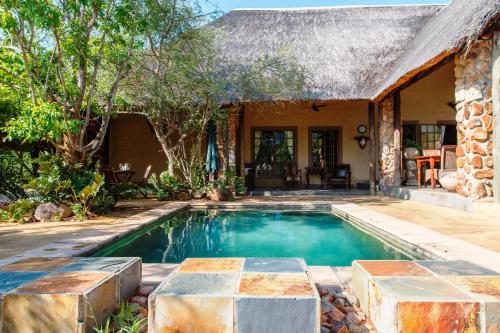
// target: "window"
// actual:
[[274, 146], [410, 133], [430, 136], [324, 147]]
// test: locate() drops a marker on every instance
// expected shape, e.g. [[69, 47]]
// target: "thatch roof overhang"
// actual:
[[348, 52], [452, 30]]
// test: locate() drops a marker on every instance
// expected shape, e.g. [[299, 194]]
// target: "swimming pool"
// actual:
[[319, 237]]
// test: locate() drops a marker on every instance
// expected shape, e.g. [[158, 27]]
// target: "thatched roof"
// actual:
[[347, 51], [453, 28]]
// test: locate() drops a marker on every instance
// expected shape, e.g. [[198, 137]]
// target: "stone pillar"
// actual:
[[386, 141], [233, 125], [496, 115], [473, 95], [372, 143]]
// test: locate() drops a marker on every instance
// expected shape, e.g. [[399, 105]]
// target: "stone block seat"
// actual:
[[236, 295], [63, 294], [428, 296]]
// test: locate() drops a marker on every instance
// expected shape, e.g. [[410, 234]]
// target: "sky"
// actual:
[[227, 5]]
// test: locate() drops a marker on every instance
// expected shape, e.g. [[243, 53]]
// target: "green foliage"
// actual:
[[15, 168], [76, 185], [125, 320], [230, 181], [20, 211], [165, 185], [125, 191]]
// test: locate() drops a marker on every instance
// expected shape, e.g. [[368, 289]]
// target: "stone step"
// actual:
[[236, 295], [428, 296], [63, 294]]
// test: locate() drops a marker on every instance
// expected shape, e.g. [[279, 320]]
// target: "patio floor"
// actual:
[[481, 228]]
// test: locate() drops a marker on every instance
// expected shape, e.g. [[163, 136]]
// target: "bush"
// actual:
[[79, 187], [165, 185], [125, 191], [233, 183], [126, 319], [15, 168], [20, 211]]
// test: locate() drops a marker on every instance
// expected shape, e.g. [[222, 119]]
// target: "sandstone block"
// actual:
[[480, 134]]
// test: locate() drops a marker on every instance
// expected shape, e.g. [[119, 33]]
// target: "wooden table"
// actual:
[[432, 162], [123, 176], [319, 171]]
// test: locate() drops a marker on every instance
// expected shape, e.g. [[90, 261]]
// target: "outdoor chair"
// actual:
[[431, 173], [143, 182], [291, 175], [340, 177], [109, 175]]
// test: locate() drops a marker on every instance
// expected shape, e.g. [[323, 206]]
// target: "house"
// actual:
[[385, 75]]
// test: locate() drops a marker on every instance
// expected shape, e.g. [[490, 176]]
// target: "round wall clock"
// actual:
[[362, 129]]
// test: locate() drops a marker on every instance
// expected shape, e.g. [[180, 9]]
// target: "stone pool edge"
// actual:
[[396, 232], [414, 237]]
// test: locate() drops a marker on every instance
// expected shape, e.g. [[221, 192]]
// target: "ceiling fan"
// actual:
[[315, 107]]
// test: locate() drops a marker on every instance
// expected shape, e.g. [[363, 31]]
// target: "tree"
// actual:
[[70, 57], [181, 81]]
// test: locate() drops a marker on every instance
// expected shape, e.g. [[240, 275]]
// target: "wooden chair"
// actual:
[[291, 175], [109, 175], [144, 181], [340, 177], [431, 173]]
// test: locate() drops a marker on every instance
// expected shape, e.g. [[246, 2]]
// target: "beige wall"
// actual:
[[348, 115], [427, 100], [132, 140]]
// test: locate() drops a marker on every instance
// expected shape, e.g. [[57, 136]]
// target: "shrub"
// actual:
[[165, 185], [20, 211], [230, 181], [15, 167], [124, 191], [124, 320]]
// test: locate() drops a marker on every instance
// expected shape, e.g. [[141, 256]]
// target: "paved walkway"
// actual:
[[481, 228]]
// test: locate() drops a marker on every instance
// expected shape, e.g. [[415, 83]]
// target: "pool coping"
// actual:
[[396, 232]]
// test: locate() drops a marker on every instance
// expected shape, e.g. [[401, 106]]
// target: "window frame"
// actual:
[[277, 129], [324, 128]]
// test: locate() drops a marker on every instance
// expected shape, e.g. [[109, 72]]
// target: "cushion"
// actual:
[[340, 173]]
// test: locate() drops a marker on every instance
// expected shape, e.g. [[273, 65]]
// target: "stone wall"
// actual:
[[227, 141], [386, 133], [473, 95]]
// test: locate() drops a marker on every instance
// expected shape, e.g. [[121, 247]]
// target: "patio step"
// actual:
[[63, 294], [428, 296], [236, 295]]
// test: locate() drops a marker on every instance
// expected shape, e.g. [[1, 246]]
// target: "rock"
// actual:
[[219, 194], [336, 314], [325, 329], [339, 304], [323, 292], [348, 309], [143, 312], [353, 319], [52, 212], [182, 196], [448, 181], [326, 307], [141, 300], [486, 173], [339, 327], [477, 162], [145, 290], [480, 134]]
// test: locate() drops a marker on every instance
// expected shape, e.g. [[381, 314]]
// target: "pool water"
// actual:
[[319, 237]]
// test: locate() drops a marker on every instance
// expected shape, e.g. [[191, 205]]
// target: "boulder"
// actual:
[[219, 194], [448, 181], [182, 196], [49, 212]]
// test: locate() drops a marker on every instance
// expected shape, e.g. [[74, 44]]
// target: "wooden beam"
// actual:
[[496, 115], [241, 139], [373, 144], [397, 138]]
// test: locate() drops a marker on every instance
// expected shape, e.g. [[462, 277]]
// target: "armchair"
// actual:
[[291, 175], [340, 177]]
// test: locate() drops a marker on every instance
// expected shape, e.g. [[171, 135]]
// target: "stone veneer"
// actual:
[[473, 95], [386, 130], [227, 140]]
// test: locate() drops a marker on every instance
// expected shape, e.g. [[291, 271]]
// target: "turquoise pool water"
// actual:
[[319, 237]]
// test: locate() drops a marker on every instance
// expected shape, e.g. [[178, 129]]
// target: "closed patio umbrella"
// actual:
[[212, 157]]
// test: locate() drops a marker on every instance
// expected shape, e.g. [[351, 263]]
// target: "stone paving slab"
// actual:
[[63, 294], [60, 302], [236, 295], [274, 265], [428, 296]]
